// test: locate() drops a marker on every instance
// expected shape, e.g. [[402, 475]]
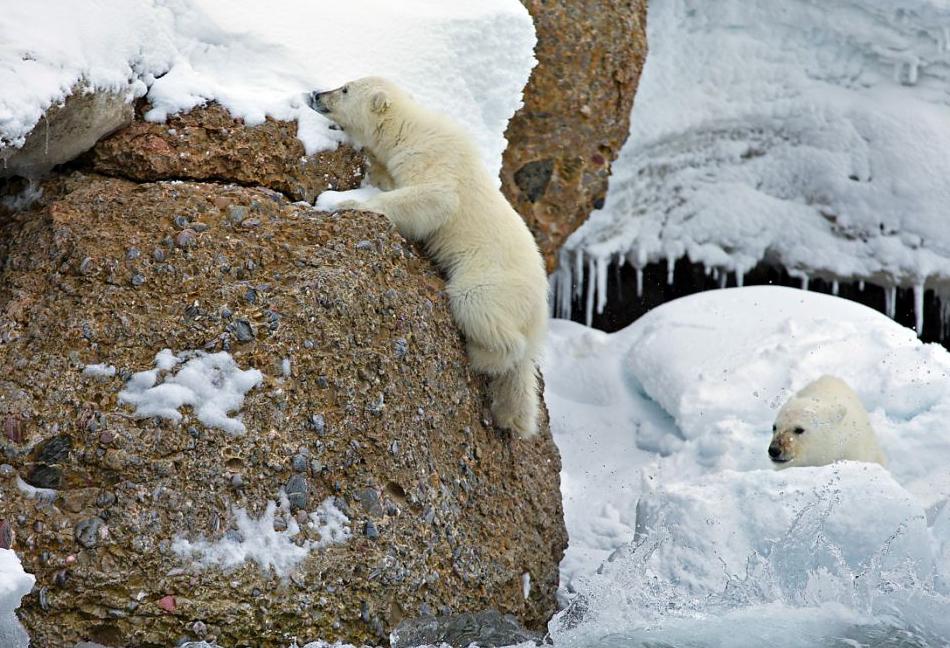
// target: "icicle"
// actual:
[[715, 273], [591, 284], [639, 281], [723, 277], [617, 274], [578, 273], [861, 285], [834, 287], [740, 277], [944, 298], [890, 301], [804, 281], [554, 295], [601, 264], [670, 269], [919, 308]]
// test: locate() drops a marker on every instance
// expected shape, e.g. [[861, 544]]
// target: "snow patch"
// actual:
[[469, 60], [257, 541], [14, 585], [210, 383], [98, 370]]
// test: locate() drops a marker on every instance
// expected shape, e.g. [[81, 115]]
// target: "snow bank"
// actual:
[[14, 585], [256, 539], [210, 383], [811, 135], [467, 59], [663, 429]]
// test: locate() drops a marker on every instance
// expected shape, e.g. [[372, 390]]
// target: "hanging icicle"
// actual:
[[740, 277], [890, 301], [804, 281], [591, 284], [601, 264], [639, 281], [861, 285], [670, 270], [834, 287], [723, 278], [919, 308], [578, 274]]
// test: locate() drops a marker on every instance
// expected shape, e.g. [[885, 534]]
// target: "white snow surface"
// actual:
[[256, 540], [98, 370], [808, 134], [468, 59], [14, 585], [663, 429], [210, 383]]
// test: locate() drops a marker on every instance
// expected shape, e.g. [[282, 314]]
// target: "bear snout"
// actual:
[[776, 454], [316, 102]]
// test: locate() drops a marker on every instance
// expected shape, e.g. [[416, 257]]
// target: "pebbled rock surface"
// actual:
[[576, 113], [208, 144], [376, 409]]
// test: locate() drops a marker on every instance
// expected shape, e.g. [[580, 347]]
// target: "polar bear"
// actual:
[[821, 424], [437, 191]]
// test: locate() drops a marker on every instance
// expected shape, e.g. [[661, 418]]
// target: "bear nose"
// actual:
[[774, 451], [315, 101]]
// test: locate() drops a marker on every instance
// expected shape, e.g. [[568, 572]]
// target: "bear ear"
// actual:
[[379, 102]]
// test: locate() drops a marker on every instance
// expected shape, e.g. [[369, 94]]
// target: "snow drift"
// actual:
[[807, 135]]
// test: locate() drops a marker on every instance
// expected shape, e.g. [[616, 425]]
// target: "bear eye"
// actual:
[[799, 430], [345, 89], [774, 428]]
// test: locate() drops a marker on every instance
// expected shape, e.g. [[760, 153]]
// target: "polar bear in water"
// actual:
[[823, 423]]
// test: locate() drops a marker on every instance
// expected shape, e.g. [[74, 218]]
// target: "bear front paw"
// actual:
[[350, 204]]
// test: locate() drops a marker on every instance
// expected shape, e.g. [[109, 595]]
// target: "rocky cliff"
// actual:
[[359, 482], [576, 113]]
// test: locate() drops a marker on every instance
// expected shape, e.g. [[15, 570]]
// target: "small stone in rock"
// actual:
[[299, 463], [371, 531], [308, 344], [242, 330], [137, 280], [87, 532], [158, 255], [186, 238], [133, 253], [237, 213], [181, 222]]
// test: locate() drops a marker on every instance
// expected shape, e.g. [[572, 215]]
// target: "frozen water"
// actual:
[[811, 135], [470, 60]]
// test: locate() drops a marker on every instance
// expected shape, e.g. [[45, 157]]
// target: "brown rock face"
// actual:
[[576, 113], [208, 144], [366, 403]]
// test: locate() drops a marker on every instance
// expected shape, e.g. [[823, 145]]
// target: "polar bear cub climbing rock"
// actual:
[[823, 423], [437, 191]]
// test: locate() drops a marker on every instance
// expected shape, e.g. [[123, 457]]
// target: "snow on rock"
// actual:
[[14, 585], [98, 370], [663, 429], [470, 60], [210, 383], [257, 540], [809, 135]]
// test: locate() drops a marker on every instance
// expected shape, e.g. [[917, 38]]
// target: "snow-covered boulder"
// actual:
[[467, 59]]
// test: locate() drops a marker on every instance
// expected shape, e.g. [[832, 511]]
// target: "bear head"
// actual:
[[357, 106], [809, 431]]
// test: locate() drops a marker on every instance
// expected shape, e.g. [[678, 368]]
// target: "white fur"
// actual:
[[438, 192], [835, 424]]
